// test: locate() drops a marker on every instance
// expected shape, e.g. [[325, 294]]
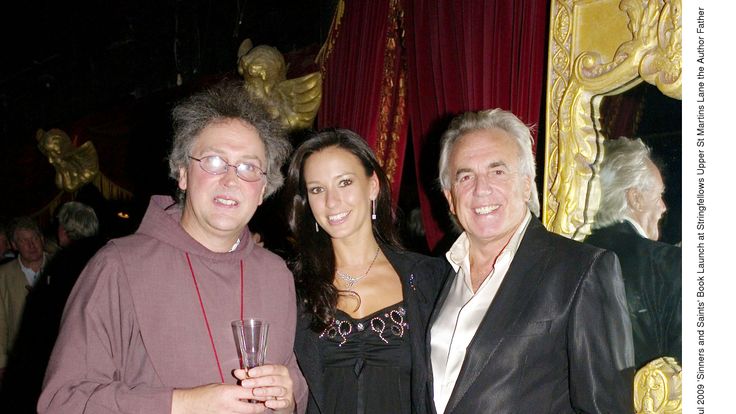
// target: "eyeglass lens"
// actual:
[[216, 165]]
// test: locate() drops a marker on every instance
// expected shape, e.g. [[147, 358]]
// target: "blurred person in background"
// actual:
[[77, 231], [17, 278]]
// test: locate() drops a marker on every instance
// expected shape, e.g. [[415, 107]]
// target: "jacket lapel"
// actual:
[[515, 292], [414, 296]]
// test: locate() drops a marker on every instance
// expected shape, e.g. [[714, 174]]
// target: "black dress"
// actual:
[[421, 279], [367, 363]]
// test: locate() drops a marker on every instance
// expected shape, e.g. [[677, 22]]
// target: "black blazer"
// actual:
[[421, 279], [556, 338], [652, 274]]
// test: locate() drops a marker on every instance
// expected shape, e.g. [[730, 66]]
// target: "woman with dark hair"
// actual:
[[365, 302]]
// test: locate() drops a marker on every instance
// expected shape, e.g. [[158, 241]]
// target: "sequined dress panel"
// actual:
[[367, 363]]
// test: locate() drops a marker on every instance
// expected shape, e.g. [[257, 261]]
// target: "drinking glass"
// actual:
[[251, 337]]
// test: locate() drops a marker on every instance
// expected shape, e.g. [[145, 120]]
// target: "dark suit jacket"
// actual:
[[652, 274], [556, 338], [421, 279]]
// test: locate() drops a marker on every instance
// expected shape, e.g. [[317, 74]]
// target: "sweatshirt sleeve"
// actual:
[[99, 349]]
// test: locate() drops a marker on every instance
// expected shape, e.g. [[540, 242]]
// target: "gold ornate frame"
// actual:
[[598, 48]]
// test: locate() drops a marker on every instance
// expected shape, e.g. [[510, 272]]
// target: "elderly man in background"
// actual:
[[17, 277], [627, 223], [76, 221], [77, 236], [147, 326], [530, 319]]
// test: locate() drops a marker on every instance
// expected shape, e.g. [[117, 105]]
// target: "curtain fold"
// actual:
[[388, 64], [364, 80], [468, 55]]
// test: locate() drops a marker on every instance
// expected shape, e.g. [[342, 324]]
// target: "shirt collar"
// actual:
[[235, 246], [637, 227], [459, 253], [31, 275]]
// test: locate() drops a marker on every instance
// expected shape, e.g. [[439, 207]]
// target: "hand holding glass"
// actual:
[[251, 337]]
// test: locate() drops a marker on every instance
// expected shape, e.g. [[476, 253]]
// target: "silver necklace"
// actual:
[[350, 280]]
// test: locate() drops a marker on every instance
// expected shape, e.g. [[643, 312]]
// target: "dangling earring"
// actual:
[[373, 204], [316, 227]]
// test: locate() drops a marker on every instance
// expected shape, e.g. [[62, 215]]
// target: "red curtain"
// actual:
[[364, 85], [388, 64], [466, 56]]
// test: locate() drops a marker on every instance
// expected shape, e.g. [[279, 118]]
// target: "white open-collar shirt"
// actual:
[[463, 310]]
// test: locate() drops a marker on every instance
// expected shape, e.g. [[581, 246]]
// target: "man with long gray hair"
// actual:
[[627, 223], [148, 325], [530, 319]]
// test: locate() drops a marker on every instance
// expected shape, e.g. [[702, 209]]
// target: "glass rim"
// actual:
[[237, 322]]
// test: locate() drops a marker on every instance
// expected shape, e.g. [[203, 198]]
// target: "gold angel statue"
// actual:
[[294, 101], [74, 166]]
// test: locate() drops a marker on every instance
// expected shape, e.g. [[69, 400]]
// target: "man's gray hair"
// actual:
[[222, 102], [24, 223], [624, 166], [491, 119], [78, 220]]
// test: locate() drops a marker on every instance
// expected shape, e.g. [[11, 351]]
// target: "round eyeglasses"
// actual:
[[216, 165]]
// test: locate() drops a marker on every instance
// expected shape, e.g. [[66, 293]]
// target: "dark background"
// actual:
[[110, 72]]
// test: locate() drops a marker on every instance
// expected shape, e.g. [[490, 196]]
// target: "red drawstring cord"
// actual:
[[204, 312]]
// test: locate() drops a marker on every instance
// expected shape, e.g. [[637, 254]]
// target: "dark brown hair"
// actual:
[[314, 263]]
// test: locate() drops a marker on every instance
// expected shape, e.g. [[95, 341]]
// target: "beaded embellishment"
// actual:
[[393, 320]]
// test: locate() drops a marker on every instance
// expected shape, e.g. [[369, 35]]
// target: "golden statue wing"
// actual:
[[298, 100], [74, 166]]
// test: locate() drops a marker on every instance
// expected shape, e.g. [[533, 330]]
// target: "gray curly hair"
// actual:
[[227, 100]]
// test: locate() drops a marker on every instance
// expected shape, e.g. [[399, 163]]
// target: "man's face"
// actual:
[[218, 207], [29, 245], [647, 205], [488, 194]]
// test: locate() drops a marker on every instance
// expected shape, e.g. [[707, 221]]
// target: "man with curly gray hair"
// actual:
[[627, 223], [148, 326]]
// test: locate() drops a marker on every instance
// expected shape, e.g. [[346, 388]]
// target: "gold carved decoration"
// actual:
[[294, 102], [392, 115], [598, 48], [329, 44], [658, 388], [74, 166]]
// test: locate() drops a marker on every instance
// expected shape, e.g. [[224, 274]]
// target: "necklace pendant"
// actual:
[[349, 280]]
